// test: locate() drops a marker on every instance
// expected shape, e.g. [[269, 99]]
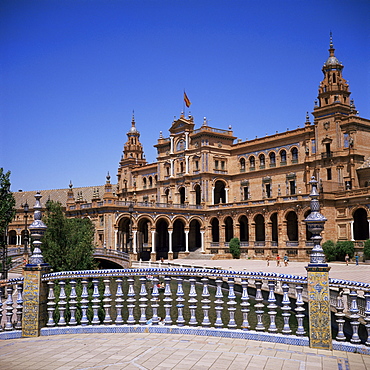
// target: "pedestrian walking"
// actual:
[[357, 259], [347, 259], [278, 260], [286, 260], [268, 260]]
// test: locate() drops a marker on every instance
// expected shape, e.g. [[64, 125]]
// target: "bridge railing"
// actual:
[[267, 306]]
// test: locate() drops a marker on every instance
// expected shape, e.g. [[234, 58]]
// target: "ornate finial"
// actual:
[[307, 123], [108, 178], [70, 184], [160, 135], [37, 229], [133, 118], [316, 103], [315, 224], [331, 40], [204, 121], [230, 128]]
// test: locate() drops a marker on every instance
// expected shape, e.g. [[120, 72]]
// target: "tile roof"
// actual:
[[58, 195]]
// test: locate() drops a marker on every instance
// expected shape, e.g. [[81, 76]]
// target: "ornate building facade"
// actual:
[[207, 187]]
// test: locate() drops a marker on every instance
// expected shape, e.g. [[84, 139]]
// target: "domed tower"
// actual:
[[133, 156], [333, 90]]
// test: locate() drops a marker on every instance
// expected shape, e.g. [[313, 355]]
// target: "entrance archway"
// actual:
[[161, 240], [243, 229], [178, 237], [123, 235], [292, 226], [360, 225], [143, 247], [195, 240], [260, 228], [229, 232], [215, 230]]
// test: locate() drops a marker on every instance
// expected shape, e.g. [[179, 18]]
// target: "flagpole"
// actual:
[[183, 103]]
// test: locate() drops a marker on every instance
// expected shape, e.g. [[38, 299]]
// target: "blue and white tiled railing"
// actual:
[[84, 301]]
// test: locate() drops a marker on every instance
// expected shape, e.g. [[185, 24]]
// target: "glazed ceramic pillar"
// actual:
[[318, 279]]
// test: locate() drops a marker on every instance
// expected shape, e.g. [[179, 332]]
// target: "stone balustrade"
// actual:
[[255, 305]]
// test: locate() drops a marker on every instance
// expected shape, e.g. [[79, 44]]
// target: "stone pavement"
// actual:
[[339, 270], [166, 351]]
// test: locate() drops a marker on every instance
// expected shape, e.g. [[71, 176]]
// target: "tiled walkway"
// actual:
[[166, 351]]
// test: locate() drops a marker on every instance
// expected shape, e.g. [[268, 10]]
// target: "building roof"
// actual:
[[57, 195]]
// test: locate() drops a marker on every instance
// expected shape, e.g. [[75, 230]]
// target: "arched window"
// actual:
[[252, 163], [180, 146], [272, 159], [144, 182], [292, 226], [242, 165], [283, 157], [219, 192], [262, 160], [182, 195], [150, 181], [197, 194], [294, 155]]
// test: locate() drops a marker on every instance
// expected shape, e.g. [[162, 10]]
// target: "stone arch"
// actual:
[[229, 228], [161, 238], [262, 160], [215, 225], [166, 195], [360, 224], [12, 237], [219, 192], [292, 226], [123, 234], [274, 227], [243, 228], [259, 221], [195, 238], [143, 245], [178, 236]]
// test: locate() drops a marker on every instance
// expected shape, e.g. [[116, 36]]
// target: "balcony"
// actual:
[[326, 155]]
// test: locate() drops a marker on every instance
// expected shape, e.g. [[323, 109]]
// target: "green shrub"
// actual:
[[234, 246], [367, 249], [343, 248], [329, 250]]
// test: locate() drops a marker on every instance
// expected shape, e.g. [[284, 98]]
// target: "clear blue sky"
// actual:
[[72, 72]]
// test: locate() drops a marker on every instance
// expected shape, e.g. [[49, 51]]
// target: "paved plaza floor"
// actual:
[[166, 351]]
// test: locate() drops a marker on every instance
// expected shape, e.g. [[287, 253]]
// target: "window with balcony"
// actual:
[[262, 161], [252, 163], [294, 155], [242, 165], [272, 157], [283, 157]]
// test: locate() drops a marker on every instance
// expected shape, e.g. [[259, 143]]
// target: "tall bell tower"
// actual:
[[333, 90], [132, 156]]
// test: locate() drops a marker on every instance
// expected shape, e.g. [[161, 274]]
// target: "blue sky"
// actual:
[[72, 72]]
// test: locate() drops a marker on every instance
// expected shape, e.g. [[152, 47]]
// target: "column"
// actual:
[[352, 231], [172, 169], [170, 241], [186, 140], [186, 164], [134, 247], [171, 150], [226, 195], [213, 195], [187, 241], [153, 241], [202, 241], [116, 239]]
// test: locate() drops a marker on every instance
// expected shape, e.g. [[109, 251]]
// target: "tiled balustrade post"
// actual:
[[34, 290], [318, 279]]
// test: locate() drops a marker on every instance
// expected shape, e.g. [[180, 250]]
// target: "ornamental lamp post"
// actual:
[[26, 209], [315, 223]]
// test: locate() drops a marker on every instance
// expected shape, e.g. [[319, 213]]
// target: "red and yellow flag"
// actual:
[[186, 100]]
